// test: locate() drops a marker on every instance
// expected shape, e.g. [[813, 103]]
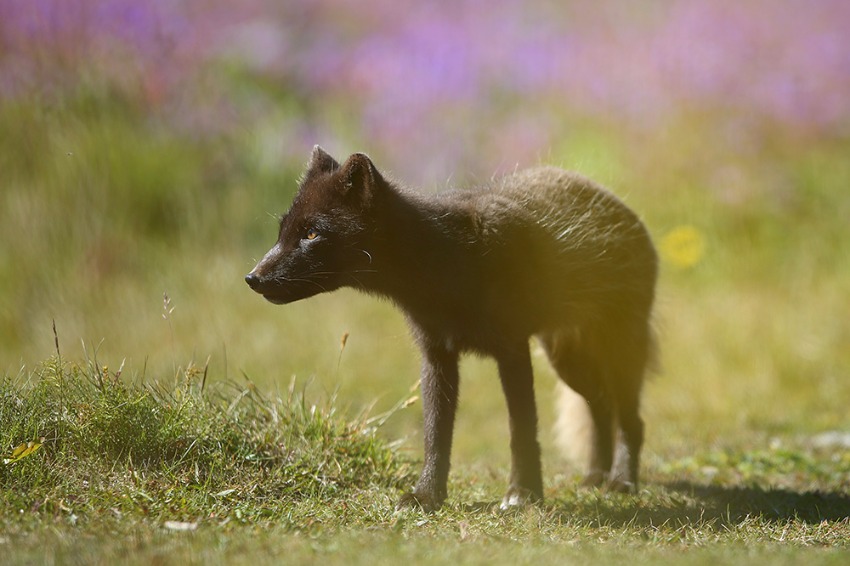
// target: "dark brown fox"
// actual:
[[540, 252]]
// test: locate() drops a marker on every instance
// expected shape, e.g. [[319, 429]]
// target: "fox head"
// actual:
[[324, 239]]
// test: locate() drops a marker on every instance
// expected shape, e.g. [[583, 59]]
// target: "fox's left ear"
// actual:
[[362, 179], [321, 162]]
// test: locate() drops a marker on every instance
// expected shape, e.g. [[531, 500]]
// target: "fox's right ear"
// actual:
[[321, 162], [362, 179]]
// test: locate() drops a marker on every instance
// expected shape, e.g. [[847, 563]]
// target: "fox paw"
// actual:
[[612, 484], [594, 478], [621, 486], [518, 497], [427, 503]]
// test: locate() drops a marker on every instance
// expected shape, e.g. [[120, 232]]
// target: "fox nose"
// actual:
[[252, 280]]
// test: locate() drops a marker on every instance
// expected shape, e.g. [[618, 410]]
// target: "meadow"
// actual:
[[146, 152]]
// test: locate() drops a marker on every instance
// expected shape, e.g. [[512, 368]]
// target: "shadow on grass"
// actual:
[[736, 503], [688, 503]]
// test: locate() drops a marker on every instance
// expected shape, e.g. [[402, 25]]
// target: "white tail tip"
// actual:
[[573, 427]]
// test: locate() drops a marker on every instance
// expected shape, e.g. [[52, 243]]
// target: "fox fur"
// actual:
[[542, 252]]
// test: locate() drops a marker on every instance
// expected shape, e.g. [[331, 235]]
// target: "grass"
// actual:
[[104, 211], [159, 454], [196, 472]]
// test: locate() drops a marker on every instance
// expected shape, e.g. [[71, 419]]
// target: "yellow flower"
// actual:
[[683, 246]]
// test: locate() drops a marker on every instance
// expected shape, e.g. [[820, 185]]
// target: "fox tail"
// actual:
[[573, 427]]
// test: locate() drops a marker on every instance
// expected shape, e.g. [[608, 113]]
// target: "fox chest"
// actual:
[[479, 322]]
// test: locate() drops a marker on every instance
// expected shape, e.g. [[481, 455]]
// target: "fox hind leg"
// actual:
[[586, 377], [624, 472], [627, 380]]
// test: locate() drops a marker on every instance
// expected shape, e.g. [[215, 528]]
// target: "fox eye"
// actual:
[[311, 234]]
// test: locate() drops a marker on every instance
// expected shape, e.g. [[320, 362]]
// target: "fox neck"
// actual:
[[415, 245]]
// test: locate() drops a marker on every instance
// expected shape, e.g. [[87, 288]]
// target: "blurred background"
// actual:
[[146, 149]]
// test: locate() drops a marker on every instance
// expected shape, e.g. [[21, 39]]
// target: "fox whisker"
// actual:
[[367, 255]]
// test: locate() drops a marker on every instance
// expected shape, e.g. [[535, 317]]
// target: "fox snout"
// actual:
[[258, 278], [279, 282], [272, 292], [253, 280]]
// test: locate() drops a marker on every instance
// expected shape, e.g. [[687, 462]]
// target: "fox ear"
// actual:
[[321, 162], [362, 178]]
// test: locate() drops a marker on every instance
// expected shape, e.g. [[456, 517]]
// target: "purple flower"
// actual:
[[412, 79]]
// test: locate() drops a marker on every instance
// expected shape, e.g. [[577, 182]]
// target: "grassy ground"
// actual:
[[134, 241], [196, 472]]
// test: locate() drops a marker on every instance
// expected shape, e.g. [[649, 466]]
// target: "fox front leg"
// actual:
[[440, 381], [526, 481]]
